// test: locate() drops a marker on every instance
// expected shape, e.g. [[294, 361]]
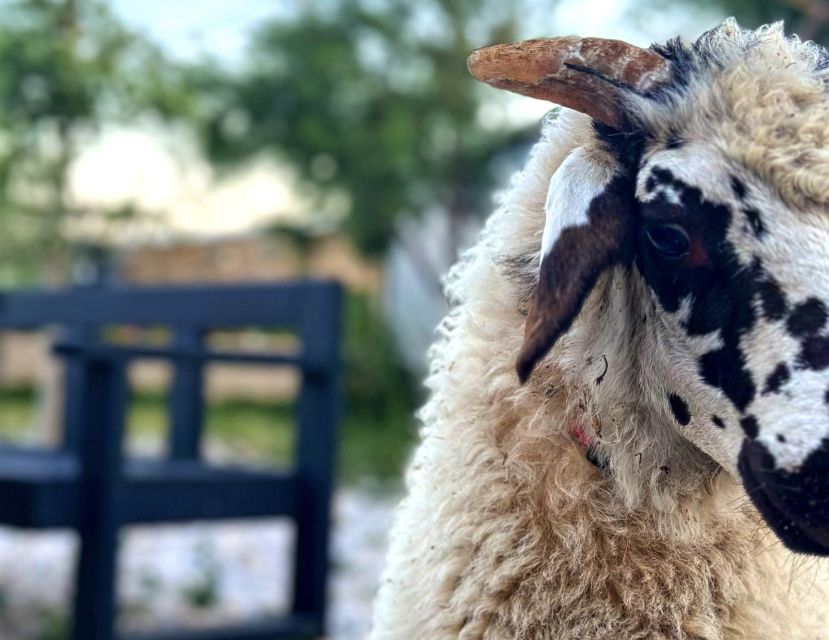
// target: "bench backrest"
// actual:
[[311, 310]]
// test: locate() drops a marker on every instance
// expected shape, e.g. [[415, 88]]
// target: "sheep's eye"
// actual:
[[670, 240]]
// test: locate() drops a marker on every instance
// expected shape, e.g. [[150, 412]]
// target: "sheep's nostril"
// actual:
[[794, 504]]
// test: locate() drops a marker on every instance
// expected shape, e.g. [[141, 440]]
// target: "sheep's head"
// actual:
[[711, 182]]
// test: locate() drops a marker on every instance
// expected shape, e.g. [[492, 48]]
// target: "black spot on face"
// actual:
[[781, 437], [725, 369], [772, 300], [807, 318], [777, 379], [663, 176], [720, 291], [815, 353], [712, 310], [680, 409], [738, 187], [718, 421], [750, 426], [755, 221]]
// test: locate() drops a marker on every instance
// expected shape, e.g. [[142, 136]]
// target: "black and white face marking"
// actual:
[[745, 318]]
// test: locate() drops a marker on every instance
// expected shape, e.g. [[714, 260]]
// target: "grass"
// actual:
[[244, 429], [374, 442], [16, 413]]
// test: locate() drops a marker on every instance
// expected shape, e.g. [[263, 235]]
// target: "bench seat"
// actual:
[[40, 489]]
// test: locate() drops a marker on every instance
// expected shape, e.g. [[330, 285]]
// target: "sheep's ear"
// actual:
[[589, 227], [585, 74], [590, 203]]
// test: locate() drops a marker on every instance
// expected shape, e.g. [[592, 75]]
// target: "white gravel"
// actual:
[[200, 574]]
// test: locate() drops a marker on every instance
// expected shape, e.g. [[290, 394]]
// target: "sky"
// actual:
[[140, 166], [188, 28]]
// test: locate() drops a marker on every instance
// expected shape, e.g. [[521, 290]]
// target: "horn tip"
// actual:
[[476, 63]]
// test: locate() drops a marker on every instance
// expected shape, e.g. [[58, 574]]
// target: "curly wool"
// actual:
[[760, 99], [509, 533]]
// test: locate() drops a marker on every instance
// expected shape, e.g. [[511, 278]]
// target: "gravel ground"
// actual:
[[199, 574]]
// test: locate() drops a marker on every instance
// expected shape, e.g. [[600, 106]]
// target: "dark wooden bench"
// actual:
[[88, 485]]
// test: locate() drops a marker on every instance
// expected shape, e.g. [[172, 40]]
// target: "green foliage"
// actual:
[[245, 428], [66, 68], [54, 625], [375, 381], [376, 110], [380, 396], [16, 411]]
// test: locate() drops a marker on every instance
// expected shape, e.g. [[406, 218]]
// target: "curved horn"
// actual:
[[585, 74]]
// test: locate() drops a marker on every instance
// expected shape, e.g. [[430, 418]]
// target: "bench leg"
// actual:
[[104, 399], [94, 615]]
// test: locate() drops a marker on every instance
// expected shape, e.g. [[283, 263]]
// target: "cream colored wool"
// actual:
[[768, 111], [508, 532]]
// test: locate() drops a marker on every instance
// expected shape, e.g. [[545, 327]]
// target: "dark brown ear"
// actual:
[[590, 224], [573, 263], [585, 74]]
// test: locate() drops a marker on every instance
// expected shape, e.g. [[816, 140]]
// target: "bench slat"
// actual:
[[40, 491], [281, 304], [193, 491], [104, 351]]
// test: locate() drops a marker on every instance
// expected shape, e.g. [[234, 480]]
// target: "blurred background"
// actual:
[[150, 141]]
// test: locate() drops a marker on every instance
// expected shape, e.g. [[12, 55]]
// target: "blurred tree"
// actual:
[[66, 68], [372, 102]]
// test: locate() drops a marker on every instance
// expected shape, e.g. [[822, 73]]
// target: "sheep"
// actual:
[[658, 465]]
